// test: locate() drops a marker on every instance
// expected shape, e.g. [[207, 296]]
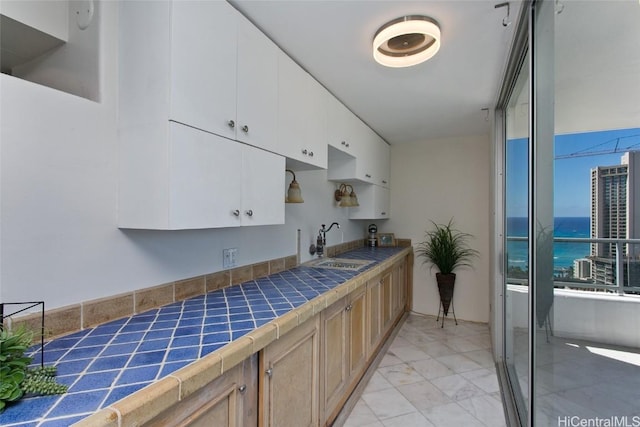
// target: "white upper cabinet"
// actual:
[[184, 178], [375, 203], [302, 116], [203, 65], [363, 158], [263, 176], [340, 126], [204, 187], [257, 92], [199, 63], [182, 99]]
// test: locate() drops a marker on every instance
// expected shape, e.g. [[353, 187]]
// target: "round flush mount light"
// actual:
[[406, 41]]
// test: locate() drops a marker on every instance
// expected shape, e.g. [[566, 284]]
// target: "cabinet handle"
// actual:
[[231, 124], [236, 212], [269, 372], [249, 212], [245, 129], [349, 307], [310, 153], [383, 213], [242, 388], [304, 151], [384, 182], [345, 143], [367, 175]]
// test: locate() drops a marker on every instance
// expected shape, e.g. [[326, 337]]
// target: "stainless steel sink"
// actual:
[[340, 263]]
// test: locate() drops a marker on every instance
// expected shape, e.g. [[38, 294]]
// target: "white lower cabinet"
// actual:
[[190, 179], [375, 203]]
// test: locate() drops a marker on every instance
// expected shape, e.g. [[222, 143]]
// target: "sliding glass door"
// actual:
[[571, 208]]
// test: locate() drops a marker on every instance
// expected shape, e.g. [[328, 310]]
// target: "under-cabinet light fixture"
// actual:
[[294, 193], [346, 196], [406, 41]]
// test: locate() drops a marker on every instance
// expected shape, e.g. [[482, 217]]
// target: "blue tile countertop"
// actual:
[[104, 364]]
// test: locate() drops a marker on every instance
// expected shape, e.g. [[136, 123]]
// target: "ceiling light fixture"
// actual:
[[406, 41]]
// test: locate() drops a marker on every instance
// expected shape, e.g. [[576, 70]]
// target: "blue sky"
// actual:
[[572, 191]]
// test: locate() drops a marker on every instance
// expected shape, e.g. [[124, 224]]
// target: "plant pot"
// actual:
[[445, 288]]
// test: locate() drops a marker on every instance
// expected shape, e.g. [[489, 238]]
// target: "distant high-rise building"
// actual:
[[614, 193], [582, 269]]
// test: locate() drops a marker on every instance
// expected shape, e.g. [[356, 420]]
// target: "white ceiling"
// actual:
[[597, 67], [442, 97]]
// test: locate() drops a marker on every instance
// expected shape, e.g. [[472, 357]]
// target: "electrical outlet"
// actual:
[[229, 257]]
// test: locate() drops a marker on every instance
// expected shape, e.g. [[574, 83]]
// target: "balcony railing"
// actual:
[[621, 263]]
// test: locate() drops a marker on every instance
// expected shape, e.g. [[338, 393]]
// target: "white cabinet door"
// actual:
[[374, 203], [257, 92], [205, 186], [383, 166], [262, 185], [302, 122], [366, 160], [203, 65], [340, 122]]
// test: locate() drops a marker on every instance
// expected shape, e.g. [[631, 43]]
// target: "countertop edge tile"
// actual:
[[195, 376], [106, 417], [149, 402]]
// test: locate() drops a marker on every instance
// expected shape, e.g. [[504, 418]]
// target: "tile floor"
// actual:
[[432, 376]]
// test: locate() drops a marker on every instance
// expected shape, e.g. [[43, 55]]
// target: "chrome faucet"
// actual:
[[321, 241]]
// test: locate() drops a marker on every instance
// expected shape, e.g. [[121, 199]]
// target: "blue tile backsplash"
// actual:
[[106, 363]]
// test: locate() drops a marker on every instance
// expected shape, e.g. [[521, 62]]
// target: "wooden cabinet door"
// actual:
[[374, 315], [357, 329], [262, 187], [203, 65], [228, 401], [289, 379], [333, 359], [203, 192], [387, 301], [257, 93]]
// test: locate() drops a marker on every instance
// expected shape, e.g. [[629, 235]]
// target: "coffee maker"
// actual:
[[373, 235]]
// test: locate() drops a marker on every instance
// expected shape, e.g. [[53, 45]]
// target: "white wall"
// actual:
[[436, 180], [58, 186]]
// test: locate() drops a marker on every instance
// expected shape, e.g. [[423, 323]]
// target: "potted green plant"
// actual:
[[447, 249], [17, 378]]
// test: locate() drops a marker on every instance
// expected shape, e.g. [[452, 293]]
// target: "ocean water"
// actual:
[[563, 253]]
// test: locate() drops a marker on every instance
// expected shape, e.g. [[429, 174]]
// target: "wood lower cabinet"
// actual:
[[343, 351], [230, 400], [289, 379]]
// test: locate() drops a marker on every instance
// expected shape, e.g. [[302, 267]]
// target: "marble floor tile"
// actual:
[[482, 357], [389, 359], [461, 345], [424, 395], [458, 363], [400, 374], [486, 409], [361, 415], [451, 414], [388, 403], [486, 379], [377, 383], [408, 353], [436, 349], [431, 368], [457, 387], [414, 419]]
